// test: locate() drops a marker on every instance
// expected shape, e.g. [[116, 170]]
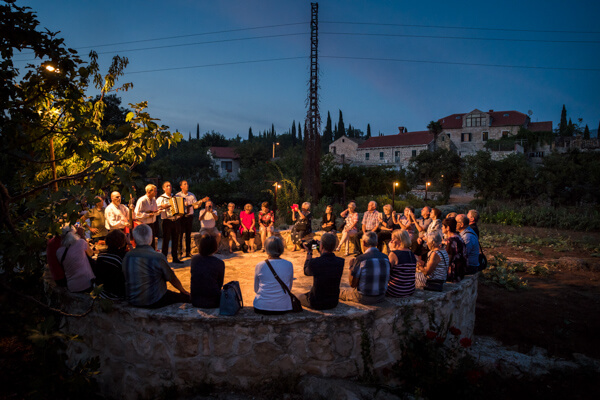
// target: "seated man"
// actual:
[[473, 216], [471, 243], [327, 271], [369, 274], [147, 273], [208, 222], [370, 223]]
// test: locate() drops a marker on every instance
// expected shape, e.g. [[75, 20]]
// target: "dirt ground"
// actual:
[[557, 311]]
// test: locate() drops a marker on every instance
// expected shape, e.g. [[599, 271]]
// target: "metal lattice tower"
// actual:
[[312, 124]]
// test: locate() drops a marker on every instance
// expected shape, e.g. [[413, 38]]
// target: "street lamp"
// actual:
[[51, 68], [274, 144], [427, 184], [394, 194], [277, 186]]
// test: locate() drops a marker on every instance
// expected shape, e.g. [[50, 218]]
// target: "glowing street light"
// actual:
[[427, 184], [396, 184], [277, 186], [274, 144]]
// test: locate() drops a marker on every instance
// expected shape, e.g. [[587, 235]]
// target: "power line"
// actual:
[[457, 27], [216, 65], [194, 44], [461, 37], [463, 63]]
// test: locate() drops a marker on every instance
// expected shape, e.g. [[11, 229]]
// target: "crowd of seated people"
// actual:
[[422, 253]]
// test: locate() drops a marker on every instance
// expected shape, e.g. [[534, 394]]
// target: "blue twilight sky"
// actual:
[[232, 96]]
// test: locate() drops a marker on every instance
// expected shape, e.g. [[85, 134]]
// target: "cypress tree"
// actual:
[[368, 131], [328, 133], [562, 127], [250, 135], [190, 137], [198, 131], [586, 132], [299, 132], [294, 132], [341, 129], [273, 131]]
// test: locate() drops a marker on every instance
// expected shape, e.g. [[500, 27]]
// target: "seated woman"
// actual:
[[265, 222], [248, 227], [208, 273], [350, 221], [456, 249], [407, 222], [437, 262], [386, 227], [231, 223], [109, 266], [328, 220], [74, 256], [270, 298], [403, 264], [302, 227]]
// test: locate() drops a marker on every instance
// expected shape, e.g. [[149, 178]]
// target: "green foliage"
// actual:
[[503, 274], [440, 167], [530, 141]]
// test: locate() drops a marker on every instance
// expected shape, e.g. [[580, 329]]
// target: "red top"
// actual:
[[246, 221], [56, 270]]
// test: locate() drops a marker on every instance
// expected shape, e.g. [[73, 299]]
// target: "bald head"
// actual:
[[115, 197], [462, 222]]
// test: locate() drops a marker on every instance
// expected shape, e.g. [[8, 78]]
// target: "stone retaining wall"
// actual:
[[144, 352]]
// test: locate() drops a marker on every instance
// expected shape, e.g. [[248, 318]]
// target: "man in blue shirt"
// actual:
[[369, 274], [147, 273], [471, 243]]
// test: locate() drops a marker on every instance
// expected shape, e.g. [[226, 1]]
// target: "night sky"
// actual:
[[403, 63]]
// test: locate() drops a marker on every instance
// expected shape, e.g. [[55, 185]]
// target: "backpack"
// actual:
[[457, 268], [231, 299]]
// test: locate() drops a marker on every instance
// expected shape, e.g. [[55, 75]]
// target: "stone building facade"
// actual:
[[396, 150], [344, 149], [225, 161]]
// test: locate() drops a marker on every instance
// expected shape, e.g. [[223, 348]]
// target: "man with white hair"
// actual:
[[147, 273], [116, 215], [369, 274], [370, 223], [471, 243], [146, 210]]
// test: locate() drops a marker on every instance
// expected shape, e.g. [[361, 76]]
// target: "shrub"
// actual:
[[503, 274]]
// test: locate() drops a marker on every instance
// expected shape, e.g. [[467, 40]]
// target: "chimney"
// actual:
[[491, 110], [402, 129]]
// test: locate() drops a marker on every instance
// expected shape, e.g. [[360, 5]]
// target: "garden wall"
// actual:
[[143, 353]]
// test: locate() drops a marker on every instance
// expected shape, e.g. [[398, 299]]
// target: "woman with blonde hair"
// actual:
[[438, 260], [403, 264], [350, 221], [74, 256]]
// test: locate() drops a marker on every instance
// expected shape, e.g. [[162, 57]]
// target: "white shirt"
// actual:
[[189, 199], [209, 220], [116, 217], [143, 208], [162, 200], [269, 293]]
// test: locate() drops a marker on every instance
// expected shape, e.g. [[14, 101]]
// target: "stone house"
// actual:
[[468, 133], [396, 150], [226, 162], [344, 149]]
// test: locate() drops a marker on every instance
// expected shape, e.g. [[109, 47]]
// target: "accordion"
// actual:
[[177, 208]]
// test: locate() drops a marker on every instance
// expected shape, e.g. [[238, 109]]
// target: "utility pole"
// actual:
[[312, 125]]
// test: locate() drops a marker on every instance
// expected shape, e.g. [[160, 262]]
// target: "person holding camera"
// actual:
[[326, 271], [208, 222], [303, 221]]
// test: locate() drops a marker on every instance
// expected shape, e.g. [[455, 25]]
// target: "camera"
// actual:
[[312, 244]]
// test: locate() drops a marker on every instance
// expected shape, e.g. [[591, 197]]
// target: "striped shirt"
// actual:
[[373, 272], [402, 274], [146, 275], [441, 270]]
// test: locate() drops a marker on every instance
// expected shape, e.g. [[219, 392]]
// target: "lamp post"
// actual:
[[274, 144], [427, 184], [51, 68], [394, 195], [277, 186]]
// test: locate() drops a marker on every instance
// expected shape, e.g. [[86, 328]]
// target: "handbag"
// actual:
[[483, 263], [296, 305], [231, 299], [435, 285]]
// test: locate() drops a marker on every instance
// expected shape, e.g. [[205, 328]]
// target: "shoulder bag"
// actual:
[[483, 263], [296, 305], [231, 299]]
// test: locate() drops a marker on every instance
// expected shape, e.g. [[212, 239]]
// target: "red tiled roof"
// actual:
[[545, 126], [499, 118], [403, 139], [224, 152]]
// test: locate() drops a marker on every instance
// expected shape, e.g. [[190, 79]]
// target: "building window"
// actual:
[[227, 166], [333, 149], [449, 136], [381, 155], [414, 153], [397, 156], [343, 140], [367, 156], [484, 136], [465, 137], [475, 120], [505, 134]]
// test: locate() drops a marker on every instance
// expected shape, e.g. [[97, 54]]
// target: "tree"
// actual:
[[213, 139], [562, 127], [293, 132], [299, 132], [368, 131], [45, 109], [435, 128], [440, 167], [341, 129], [197, 131], [190, 137], [328, 132], [250, 135], [586, 132]]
